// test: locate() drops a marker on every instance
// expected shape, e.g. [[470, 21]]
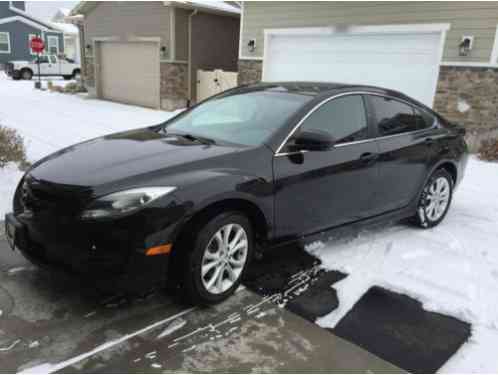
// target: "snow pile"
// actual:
[[452, 269], [50, 121]]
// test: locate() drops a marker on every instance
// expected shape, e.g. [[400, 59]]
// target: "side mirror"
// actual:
[[313, 140]]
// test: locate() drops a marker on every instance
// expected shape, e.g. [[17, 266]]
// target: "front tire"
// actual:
[[222, 250], [435, 200]]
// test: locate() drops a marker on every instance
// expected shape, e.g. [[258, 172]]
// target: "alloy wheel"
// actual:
[[437, 198], [224, 258]]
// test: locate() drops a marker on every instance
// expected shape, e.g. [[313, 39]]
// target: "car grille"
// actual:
[[36, 195]]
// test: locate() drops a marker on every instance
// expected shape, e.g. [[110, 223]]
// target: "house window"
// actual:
[[53, 45], [4, 42]]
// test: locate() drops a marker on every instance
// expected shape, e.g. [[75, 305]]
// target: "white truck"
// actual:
[[50, 65]]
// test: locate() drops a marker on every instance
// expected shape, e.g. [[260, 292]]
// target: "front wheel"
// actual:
[[26, 74], [435, 200], [221, 252]]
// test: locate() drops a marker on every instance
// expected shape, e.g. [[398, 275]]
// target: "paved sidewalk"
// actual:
[[55, 325]]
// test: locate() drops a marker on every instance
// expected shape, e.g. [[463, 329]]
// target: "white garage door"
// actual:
[[129, 73], [408, 62]]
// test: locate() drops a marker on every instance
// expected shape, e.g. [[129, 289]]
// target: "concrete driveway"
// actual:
[[53, 324]]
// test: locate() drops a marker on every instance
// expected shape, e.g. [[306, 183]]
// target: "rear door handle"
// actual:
[[429, 141], [369, 157]]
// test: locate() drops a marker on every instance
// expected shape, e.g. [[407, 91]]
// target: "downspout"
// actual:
[[189, 65]]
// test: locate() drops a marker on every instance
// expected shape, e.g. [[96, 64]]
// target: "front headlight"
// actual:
[[124, 202]]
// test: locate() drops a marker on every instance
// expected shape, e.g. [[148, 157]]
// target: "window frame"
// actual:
[[52, 37], [373, 116], [373, 131], [9, 49]]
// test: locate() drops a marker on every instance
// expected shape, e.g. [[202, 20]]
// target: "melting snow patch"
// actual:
[[11, 346]]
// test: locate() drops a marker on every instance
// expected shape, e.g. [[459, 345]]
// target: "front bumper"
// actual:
[[109, 254]]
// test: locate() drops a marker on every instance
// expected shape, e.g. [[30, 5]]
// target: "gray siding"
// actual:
[[126, 19], [215, 41], [466, 18], [181, 33]]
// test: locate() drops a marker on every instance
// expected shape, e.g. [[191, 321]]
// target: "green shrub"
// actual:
[[11, 148], [489, 150]]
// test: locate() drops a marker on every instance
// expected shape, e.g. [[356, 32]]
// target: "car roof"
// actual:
[[317, 89]]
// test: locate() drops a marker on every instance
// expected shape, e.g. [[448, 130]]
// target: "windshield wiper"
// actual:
[[194, 138]]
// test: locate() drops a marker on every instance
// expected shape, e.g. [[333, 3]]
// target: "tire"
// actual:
[[435, 200], [26, 74], [206, 248]]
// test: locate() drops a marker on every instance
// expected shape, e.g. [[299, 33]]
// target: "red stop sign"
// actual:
[[37, 44]]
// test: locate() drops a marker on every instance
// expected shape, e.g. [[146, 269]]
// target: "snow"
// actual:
[[50, 121], [66, 28], [451, 269]]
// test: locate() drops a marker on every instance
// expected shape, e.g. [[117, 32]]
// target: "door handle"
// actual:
[[429, 141], [368, 157]]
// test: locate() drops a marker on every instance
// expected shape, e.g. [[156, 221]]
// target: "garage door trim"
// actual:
[[428, 28], [110, 39]]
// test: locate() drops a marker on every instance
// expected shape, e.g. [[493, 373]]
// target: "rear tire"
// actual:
[[220, 254], [26, 74], [435, 200]]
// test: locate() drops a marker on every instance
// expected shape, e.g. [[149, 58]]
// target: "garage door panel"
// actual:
[[404, 62], [129, 73]]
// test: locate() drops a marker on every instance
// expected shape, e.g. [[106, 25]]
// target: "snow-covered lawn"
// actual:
[[50, 121], [452, 269]]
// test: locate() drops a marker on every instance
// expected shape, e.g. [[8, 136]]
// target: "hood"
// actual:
[[121, 156], [19, 62]]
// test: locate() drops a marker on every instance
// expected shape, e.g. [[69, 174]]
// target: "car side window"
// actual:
[[393, 117], [343, 118], [53, 60], [424, 118]]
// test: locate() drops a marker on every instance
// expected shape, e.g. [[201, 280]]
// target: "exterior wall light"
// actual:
[[251, 46], [88, 49], [465, 45], [163, 52]]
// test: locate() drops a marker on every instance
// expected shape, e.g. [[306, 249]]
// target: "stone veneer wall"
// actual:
[[250, 71], [174, 83], [469, 96], [465, 95], [88, 72]]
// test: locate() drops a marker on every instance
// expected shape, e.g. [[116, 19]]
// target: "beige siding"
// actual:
[[128, 19], [466, 18], [181, 33]]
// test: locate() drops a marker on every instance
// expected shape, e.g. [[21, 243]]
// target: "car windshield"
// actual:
[[248, 118]]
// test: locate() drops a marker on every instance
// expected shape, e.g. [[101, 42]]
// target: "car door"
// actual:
[[405, 145], [51, 67], [316, 190]]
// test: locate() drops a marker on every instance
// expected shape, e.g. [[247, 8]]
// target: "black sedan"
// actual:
[[192, 200]]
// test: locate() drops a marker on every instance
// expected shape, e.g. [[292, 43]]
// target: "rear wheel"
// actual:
[[221, 252], [76, 75], [26, 74], [435, 200]]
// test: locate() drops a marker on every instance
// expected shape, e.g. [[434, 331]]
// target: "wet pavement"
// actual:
[[54, 324]]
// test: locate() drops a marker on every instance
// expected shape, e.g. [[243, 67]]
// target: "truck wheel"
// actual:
[[77, 75], [26, 74]]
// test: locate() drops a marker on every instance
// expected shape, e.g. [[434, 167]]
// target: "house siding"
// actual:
[[127, 19], [181, 34], [19, 33], [475, 18]]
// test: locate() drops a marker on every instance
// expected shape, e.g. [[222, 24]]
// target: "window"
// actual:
[[343, 118], [53, 60], [53, 45], [4, 42], [425, 119], [248, 118], [43, 59], [394, 117]]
